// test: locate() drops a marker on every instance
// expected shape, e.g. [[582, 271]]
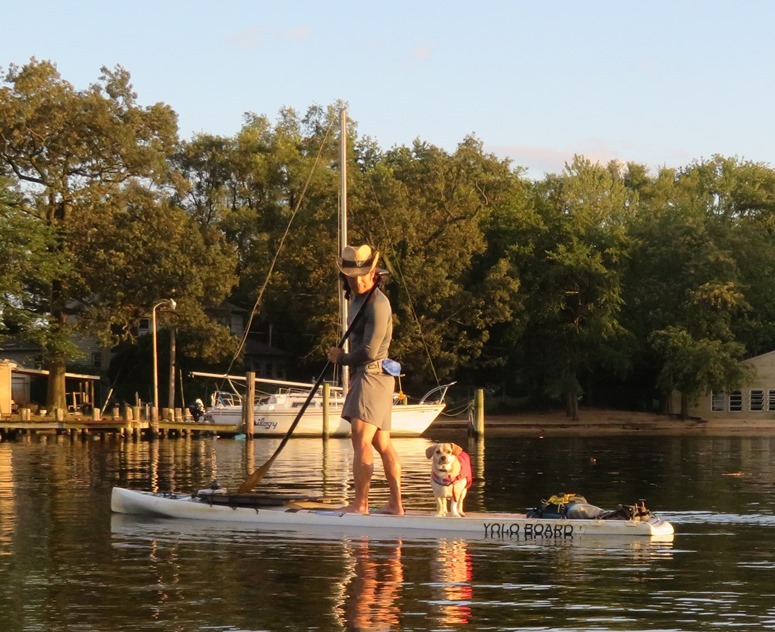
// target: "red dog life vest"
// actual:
[[465, 472]]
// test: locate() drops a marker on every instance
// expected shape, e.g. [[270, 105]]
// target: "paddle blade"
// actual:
[[255, 478]]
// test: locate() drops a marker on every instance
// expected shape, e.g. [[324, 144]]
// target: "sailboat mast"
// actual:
[[343, 229]]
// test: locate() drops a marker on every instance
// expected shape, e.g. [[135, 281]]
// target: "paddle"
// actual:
[[253, 480]]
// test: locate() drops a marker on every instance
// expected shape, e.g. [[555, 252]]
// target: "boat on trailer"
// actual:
[[294, 512]]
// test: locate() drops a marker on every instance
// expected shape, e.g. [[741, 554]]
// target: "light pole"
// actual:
[[171, 302]]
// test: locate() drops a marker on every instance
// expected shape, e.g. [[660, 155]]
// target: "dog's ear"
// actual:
[[456, 449], [429, 451]]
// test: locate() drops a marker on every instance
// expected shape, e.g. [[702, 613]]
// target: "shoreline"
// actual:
[[594, 421], [534, 424]]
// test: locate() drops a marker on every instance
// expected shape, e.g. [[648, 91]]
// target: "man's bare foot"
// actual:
[[353, 509], [391, 510]]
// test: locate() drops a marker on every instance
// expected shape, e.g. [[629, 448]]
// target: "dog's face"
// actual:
[[444, 456]]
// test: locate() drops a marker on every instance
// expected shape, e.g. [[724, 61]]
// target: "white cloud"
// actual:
[[247, 39], [422, 52], [540, 161], [537, 160], [256, 36], [299, 33]]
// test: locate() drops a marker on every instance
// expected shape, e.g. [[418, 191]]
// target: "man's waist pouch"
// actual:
[[386, 366]]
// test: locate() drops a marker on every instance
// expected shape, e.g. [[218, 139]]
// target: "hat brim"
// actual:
[[356, 269]]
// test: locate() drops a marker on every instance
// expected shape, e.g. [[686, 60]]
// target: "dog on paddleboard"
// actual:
[[451, 476]]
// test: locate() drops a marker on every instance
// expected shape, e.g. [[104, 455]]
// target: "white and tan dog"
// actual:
[[450, 477]]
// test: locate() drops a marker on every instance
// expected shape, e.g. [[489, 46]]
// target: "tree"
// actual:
[[272, 191], [573, 279], [741, 212], [687, 287], [25, 262], [695, 366], [92, 169], [426, 210]]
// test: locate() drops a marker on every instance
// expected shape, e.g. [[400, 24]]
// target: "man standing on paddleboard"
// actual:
[[369, 400]]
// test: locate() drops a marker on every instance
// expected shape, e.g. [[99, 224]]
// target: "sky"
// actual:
[[662, 83]]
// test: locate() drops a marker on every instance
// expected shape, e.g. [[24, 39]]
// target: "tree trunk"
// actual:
[[684, 406], [572, 387], [572, 405], [56, 360], [57, 392]]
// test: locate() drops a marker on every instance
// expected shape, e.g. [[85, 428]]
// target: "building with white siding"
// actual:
[[755, 400]]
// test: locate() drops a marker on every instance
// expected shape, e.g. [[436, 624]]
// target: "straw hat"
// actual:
[[359, 261]]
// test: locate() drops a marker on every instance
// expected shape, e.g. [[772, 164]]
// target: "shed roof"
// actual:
[[75, 376]]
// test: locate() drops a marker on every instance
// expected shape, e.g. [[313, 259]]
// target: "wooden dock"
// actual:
[[14, 427]]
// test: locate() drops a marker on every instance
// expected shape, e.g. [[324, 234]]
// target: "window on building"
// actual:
[[96, 360], [717, 402], [771, 399], [756, 402], [736, 402], [236, 326]]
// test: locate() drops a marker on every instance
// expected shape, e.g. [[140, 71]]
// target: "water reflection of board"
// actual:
[[293, 513]]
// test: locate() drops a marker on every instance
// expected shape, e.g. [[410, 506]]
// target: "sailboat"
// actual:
[[274, 413]]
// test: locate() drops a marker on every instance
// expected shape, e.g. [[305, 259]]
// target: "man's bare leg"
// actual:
[[363, 465], [392, 464]]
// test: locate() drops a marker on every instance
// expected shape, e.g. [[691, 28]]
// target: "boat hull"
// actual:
[[408, 421], [479, 525]]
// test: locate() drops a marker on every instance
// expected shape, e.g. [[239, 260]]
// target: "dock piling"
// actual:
[[326, 397], [248, 413], [476, 423]]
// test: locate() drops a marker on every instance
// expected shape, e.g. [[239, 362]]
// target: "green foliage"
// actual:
[[92, 171], [573, 279], [26, 264], [699, 266], [426, 209], [539, 288], [696, 366]]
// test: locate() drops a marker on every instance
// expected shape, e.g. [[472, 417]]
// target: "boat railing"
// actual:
[[291, 397], [438, 393], [225, 399], [295, 398]]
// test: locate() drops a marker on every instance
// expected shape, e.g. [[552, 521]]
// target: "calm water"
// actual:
[[67, 564]]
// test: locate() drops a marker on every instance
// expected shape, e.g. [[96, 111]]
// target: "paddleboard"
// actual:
[[295, 513]]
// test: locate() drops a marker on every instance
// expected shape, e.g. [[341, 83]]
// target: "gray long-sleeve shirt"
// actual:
[[371, 336]]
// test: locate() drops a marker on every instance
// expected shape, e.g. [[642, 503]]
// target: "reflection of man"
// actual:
[[451, 569], [372, 593]]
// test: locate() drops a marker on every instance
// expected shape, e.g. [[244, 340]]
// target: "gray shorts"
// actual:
[[370, 396]]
